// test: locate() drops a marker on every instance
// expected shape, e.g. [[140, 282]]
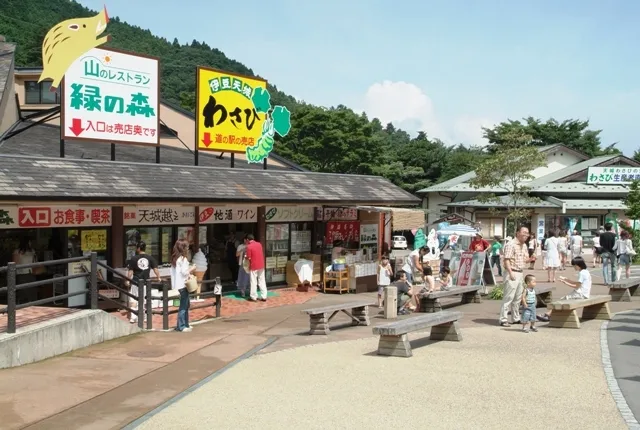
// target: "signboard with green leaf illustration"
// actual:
[[234, 114]]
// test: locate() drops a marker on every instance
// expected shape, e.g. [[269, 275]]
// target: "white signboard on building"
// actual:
[[368, 234], [613, 175], [45, 216], [111, 96], [228, 214], [159, 215], [289, 213], [338, 214]]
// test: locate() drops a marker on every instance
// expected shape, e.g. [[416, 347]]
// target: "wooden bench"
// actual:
[[431, 302], [622, 290], [544, 294], [394, 340], [319, 318], [564, 312]]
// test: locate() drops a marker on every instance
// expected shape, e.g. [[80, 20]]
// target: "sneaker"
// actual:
[[543, 318], [133, 320], [533, 329], [516, 322], [505, 324], [525, 330], [262, 300], [187, 329], [403, 312]]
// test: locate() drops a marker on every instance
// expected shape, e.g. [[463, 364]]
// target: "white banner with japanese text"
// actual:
[[289, 213], [338, 214], [159, 215], [45, 216], [228, 214]]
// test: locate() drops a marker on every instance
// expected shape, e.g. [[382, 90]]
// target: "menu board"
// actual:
[[93, 240]]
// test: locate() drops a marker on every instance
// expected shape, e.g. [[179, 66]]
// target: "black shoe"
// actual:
[[262, 300], [516, 322]]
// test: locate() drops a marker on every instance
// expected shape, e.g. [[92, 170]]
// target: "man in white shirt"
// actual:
[[413, 265]]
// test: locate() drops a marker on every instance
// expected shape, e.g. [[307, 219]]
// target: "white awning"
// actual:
[[401, 218]]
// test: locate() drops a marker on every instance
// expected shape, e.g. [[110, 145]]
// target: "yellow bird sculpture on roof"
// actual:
[[67, 41]]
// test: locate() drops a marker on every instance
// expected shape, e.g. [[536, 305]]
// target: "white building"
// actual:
[[574, 191]]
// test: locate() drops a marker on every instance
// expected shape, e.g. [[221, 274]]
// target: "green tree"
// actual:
[[508, 170], [573, 133]]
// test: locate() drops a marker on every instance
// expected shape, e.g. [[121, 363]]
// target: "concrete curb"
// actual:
[[194, 387], [612, 382]]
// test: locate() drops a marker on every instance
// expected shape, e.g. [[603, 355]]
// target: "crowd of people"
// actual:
[[249, 272], [511, 259]]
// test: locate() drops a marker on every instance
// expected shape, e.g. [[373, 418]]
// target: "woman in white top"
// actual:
[[563, 249], [596, 249], [552, 259], [625, 252], [576, 244], [25, 255], [180, 271]]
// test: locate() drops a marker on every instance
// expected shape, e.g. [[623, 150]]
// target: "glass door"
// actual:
[[277, 252]]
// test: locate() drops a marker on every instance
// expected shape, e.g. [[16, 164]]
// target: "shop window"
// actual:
[[157, 239], [216, 246], [40, 93]]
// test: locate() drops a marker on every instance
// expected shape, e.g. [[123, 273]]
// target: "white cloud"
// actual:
[[402, 103], [408, 107], [468, 130]]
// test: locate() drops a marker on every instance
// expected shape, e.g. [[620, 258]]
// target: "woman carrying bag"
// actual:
[[625, 251], [181, 275]]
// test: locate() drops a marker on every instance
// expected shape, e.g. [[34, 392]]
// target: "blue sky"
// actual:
[[446, 67]]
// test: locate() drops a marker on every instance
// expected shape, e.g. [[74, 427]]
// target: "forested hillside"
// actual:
[[327, 140]]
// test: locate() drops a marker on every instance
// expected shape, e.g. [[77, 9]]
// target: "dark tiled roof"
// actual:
[[44, 141], [35, 178], [6, 63]]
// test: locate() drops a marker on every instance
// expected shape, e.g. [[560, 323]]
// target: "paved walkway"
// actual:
[[110, 385], [623, 336]]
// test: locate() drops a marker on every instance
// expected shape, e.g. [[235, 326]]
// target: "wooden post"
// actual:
[[390, 302], [165, 306], [149, 307], [11, 297], [141, 290], [93, 283], [117, 236]]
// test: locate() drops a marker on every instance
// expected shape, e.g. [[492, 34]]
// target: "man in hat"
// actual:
[[479, 244]]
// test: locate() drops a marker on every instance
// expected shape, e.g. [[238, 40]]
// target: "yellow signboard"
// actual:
[[93, 240], [227, 117]]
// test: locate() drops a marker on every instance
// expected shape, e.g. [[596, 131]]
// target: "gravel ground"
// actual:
[[493, 379]]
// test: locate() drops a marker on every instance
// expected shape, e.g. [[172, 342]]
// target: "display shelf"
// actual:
[[341, 279]]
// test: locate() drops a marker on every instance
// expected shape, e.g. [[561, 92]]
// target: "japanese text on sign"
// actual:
[[288, 213], [613, 175], [347, 231], [338, 214], [368, 234], [93, 240], [464, 270], [54, 216], [228, 215], [158, 215], [227, 119], [112, 96]]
